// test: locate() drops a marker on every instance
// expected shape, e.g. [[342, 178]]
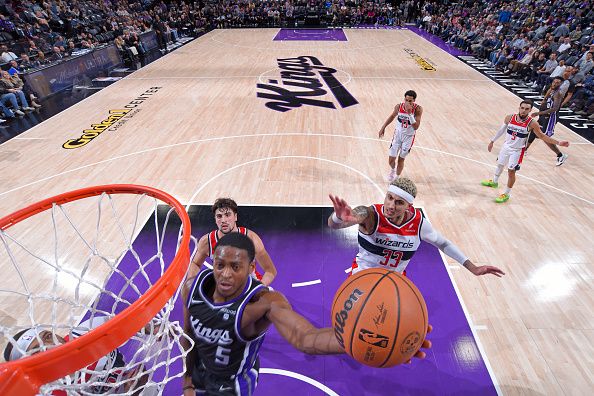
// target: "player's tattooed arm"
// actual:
[[361, 213], [344, 216]]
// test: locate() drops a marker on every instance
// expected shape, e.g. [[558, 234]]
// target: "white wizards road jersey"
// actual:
[[405, 120], [517, 132], [389, 245]]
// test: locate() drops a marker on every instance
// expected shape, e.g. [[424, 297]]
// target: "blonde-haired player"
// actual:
[[390, 233], [408, 119], [517, 128]]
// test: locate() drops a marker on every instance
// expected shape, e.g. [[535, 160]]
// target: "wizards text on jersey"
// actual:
[[395, 244], [300, 80]]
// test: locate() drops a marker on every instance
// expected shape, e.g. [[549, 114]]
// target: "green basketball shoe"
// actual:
[[489, 183], [502, 198]]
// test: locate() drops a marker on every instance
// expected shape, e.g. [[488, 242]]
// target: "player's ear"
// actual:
[[252, 266]]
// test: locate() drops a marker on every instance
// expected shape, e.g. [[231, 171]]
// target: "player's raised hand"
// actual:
[[342, 209], [490, 146], [426, 345], [564, 143]]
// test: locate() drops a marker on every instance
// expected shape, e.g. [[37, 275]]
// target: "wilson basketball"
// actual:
[[379, 317]]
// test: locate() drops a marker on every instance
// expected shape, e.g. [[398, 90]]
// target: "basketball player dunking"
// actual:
[[516, 128], [225, 214], [390, 234], [228, 312], [408, 118]]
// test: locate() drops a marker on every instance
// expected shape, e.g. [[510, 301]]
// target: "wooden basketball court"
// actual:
[[195, 127]]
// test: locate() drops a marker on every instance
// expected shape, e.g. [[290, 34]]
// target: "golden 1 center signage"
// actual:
[[114, 120]]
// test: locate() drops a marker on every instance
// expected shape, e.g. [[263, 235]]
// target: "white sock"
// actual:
[[497, 173], [508, 191]]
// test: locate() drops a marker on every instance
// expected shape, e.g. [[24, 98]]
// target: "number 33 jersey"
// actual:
[[389, 245]]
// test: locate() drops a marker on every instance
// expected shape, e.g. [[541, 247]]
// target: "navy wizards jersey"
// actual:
[[221, 348]]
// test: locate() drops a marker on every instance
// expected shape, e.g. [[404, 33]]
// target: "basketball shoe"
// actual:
[[391, 176], [561, 160], [489, 183], [502, 198]]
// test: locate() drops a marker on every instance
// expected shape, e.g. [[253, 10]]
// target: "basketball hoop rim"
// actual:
[[25, 376]]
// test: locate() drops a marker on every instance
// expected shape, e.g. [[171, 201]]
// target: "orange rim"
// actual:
[[25, 376]]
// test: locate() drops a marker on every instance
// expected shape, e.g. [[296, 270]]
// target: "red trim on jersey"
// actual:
[[402, 108], [517, 121], [258, 275], [213, 238], [408, 228], [522, 155], [354, 266], [212, 242]]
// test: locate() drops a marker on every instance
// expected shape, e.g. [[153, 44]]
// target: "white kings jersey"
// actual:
[[517, 132], [405, 120], [389, 246]]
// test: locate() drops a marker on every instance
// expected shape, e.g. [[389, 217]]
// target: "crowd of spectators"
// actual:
[[525, 39], [39, 32], [294, 13], [535, 40], [35, 33]]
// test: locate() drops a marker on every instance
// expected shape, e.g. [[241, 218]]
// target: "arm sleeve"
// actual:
[[429, 234], [500, 132]]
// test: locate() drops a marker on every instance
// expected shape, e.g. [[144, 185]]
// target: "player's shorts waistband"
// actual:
[[227, 377]]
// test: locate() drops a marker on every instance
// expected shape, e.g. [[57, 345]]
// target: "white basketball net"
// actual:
[[75, 266]]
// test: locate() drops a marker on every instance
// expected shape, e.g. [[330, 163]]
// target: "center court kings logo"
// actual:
[[297, 82]]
